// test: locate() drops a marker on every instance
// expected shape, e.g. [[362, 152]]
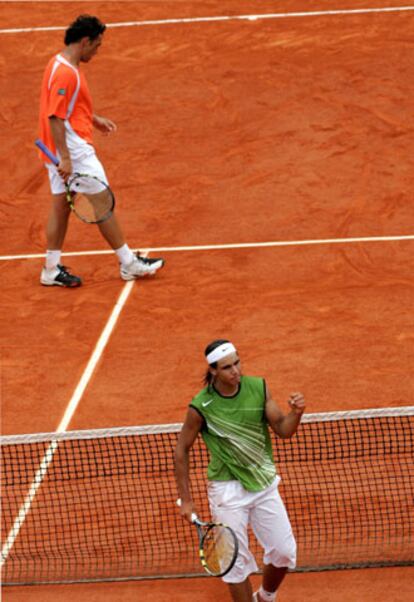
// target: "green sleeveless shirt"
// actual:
[[236, 434]]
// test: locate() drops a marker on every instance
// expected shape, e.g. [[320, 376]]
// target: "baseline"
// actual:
[[316, 13]]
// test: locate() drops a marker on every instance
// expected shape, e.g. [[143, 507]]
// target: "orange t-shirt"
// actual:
[[65, 94]]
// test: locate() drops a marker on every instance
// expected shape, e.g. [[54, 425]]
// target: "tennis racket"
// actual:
[[90, 198], [218, 546]]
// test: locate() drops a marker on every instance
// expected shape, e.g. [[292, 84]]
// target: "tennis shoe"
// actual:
[[59, 276], [257, 597], [140, 267]]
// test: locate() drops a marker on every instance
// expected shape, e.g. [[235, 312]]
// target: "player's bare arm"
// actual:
[[57, 127], [191, 427], [284, 425], [104, 125]]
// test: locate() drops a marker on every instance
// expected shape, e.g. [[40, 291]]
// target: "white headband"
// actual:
[[219, 352]]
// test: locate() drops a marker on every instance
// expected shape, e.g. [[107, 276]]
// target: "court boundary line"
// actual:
[[252, 17], [123, 297], [64, 423], [224, 246]]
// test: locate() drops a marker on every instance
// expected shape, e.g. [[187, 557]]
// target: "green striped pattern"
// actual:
[[236, 435]]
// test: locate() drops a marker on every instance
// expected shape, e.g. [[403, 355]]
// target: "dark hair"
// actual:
[[85, 26], [208, 377]]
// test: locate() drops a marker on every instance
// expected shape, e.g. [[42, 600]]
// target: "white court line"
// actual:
[[316, 13], [69, 412], [242, 245], [106, 333], [95, 357]]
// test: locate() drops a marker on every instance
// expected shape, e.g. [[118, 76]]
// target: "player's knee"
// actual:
[[284, 555]]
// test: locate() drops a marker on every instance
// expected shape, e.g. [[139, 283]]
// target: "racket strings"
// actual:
[[219, 548], [91, 199]]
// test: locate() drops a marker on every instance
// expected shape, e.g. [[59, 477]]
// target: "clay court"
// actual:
[[269, 160]]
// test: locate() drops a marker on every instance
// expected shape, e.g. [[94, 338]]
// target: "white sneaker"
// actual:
[[59, 276], [258, 598], [140, 266]]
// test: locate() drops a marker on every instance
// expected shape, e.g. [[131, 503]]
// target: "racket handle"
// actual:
[[47, 152], [194, 517]]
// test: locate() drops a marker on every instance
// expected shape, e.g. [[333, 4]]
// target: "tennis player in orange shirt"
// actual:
[[66, 126]]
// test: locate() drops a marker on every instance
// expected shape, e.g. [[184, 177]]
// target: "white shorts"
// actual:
[[265, 512], [84, 162]]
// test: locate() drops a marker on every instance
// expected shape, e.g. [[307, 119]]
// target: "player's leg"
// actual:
[[131, 266], [57, 223], [229, 504], [112, 233], [272, 528], [53, 272], [271, 580], [241, 592]]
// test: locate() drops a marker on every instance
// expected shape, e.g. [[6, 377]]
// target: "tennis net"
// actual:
[[100, 505]]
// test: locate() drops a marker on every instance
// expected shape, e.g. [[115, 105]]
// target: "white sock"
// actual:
[[52, 259], [267, 596], [125, 255]]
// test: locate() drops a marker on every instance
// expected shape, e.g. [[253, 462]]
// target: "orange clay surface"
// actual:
[[229, 132]]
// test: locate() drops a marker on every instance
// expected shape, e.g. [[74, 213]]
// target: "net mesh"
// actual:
[[219, 549], [100, 505]]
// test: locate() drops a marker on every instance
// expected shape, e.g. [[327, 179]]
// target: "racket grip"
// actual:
[[47, 152], [194, 517]]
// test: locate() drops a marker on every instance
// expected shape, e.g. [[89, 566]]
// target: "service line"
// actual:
[[240, 245]]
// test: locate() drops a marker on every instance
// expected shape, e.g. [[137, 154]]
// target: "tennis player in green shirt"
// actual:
[[233, 413]]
